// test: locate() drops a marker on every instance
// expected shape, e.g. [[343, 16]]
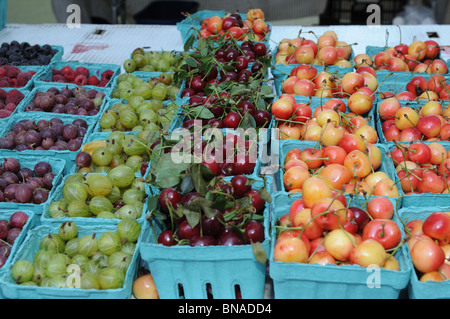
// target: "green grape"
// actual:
[[68, 230], [111, 278], [88, 245], [99, 204], [78, 209], [109, 243], [129, 65]]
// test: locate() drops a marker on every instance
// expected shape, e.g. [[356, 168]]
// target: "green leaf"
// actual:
[[152, 202], [187, 185], [189, 42], [248, 121], [202, 112], [259, 252], [265, 195], [192, 217], [197, 179]]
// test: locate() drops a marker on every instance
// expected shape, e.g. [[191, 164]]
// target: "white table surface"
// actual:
[[116, 43]]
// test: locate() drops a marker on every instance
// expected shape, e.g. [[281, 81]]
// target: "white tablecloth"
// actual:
[[114, 43]]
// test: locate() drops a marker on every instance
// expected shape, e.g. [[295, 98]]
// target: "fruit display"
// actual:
[[418, 57], [326, 121], [229, 213], [400, 122], [359, 87], [14, 77], [52, 134], [221, 155], [326, 50], [24, 53], [79, 75], [10, 229], [9, 100], [66, 100], [118, 194], [251, 25], [325, 229], [138, 115], [428, 243], [341, 168], [101, 156], [103, 257], [22, 184], [421, 167], [422, 88], [161, 87], [154, 61]]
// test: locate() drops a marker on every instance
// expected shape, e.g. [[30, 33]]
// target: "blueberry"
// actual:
[[24, 45]]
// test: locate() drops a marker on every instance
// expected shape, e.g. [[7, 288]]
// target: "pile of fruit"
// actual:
[[228, 213], [20, 54], [119, 149], [119, 194], [9, 100], [9, 231], [422, 168], [327, 50], [234, 27], [81, 76], [327, 124], [418, 57], [428, 243], [75, 101], [103, 258], [43, 134], [342, 167], [160, 88], [138, 115], [25, 185], [321, 228], [405, 123], [13, 77], [154, 61]]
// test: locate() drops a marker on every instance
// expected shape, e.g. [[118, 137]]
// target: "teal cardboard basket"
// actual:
[[191, 25], [30, 247], [416, 288], [95, 69], [43, 87], [221, 268], [314, 281], [30, 224], [46, 219], [423, 199], [3, 13], [67, 155], [58, 166]]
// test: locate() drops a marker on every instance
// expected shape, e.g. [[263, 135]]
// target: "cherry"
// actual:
[[246, 107], [195, 99], [188, 92], [262, 118], [241, 63], [230, 238], [242, 166], [247, 45], [260, 48], [255, 200], [220, 53], [185, 231], [202, 241], [256, 67], [254, 232], [229, 76], [144, 168], [188, 198], [232, 120], [166, 238], [216, 123], [240, 186], [229, 22], [243, 76], [169, 195], [213, 226], [231, 54], [197, 83], [217, 110]]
